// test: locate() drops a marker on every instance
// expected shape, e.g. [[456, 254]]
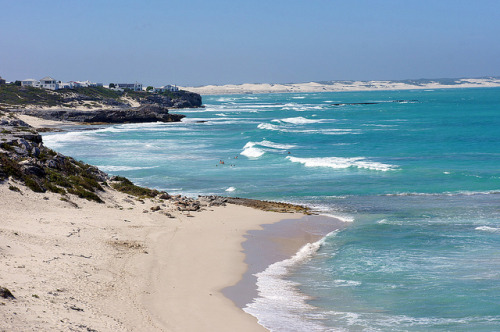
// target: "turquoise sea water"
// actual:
[[416, 174]]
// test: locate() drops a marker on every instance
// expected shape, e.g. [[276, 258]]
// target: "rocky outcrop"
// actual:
[[145, 113], [180, 99], [256, 204], [24, 158]]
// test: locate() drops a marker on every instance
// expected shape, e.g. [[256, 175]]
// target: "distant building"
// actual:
[[164, 88], [132, 86], [46, 83], [52, 84], [2, 81], [65, 85], [49, 83], [85, 84], [30, 82]]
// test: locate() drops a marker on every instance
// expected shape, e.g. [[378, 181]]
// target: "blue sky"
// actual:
[[195, 42]]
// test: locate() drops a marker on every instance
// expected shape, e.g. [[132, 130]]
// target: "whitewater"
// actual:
[[414, 174]]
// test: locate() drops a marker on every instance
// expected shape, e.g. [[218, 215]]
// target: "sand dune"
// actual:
[[333, 86]]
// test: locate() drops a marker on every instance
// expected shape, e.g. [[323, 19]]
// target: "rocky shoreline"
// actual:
[[144, 113], [96, 104]]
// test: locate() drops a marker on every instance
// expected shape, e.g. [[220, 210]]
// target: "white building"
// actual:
[[164, 88], [30, 82], [132, 86], [49, 83], [86, 84], [52, 84]]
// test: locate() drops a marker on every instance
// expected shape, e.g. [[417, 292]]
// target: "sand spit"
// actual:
[[334, 86]]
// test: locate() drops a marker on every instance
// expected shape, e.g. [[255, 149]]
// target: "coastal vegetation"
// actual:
[[15, 96], [25, 159], [126, 186]]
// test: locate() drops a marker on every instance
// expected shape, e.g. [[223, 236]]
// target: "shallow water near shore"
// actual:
[[414, 174]]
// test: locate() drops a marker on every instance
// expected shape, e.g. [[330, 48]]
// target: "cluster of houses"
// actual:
[[53, 84]]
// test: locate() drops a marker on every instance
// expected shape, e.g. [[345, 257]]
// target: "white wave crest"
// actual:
[[110, 168], [270, 144], [488, 229], [267, 126], [346, 283], [331, 131], [340, 163], [57, 140], [298, 120], [230, 189], [280, 303], [250, 151]]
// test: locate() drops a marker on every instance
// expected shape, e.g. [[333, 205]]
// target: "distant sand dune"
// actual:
[[332, 86]]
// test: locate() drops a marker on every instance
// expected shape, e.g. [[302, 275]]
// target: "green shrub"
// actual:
[[53, 188], [33, 185], [126, 186], [14, 188], [82, 193]]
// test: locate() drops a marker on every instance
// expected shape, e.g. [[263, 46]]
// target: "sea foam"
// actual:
[[342, 163], [298, 120], [280, 306], [110, 168], [270, 144], [488, 229]]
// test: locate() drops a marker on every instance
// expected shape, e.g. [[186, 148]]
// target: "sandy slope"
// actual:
[[118, 266]]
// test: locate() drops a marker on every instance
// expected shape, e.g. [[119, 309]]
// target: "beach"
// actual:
[[118, 267]]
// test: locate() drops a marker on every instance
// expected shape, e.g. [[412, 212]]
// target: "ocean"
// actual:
[[414, 174]]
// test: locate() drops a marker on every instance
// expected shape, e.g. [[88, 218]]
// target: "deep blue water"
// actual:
[[416, 174]]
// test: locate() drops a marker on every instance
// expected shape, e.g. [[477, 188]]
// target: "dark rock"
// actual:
[[145, 113], [22, 143], [5, 293], [33, 170], [21, 151], [51, 164], [35, 152], [164, 196]]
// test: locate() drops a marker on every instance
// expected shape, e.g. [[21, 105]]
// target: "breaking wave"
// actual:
[[280, 306], [342, 163], [250, 151], [297, 120]]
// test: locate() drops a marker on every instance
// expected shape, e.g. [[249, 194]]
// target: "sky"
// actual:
[[199, 42]]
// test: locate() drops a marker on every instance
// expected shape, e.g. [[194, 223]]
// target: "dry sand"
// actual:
[[120, 267], [249, 88]]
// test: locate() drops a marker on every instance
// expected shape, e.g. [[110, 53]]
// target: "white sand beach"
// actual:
[[119, 266]]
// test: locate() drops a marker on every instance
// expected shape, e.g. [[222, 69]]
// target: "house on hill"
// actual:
[[30, 82], [45, 83], [49, 83], [131, 86], [2, 81], [164, 88]]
